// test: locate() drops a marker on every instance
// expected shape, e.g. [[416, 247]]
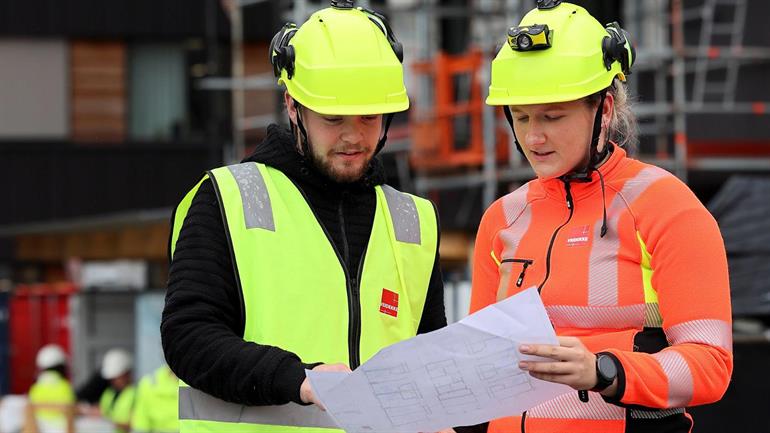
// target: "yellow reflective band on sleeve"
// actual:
[[650, 295], [497, 261]]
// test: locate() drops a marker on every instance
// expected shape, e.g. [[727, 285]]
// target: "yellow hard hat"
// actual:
[[341, 61], [558, 53]]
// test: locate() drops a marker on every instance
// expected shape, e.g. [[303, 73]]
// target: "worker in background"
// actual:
[[156, 409], [629, 264], [89, 392], [51, 388], [117, 401], [301, 257]]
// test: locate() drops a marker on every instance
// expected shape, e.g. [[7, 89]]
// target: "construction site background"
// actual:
[[109, 111]]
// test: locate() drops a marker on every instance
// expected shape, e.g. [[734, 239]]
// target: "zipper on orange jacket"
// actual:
[[571, 207], [525, 262]]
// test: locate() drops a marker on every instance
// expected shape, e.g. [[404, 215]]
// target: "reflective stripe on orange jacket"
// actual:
[[653, 291]]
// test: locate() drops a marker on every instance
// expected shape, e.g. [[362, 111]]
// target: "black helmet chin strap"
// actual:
[[304, 144], [381, 143], [595, 157], [509, 118]]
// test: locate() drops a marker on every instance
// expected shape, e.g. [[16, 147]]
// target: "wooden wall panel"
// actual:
[[99, 80], [144, 242]]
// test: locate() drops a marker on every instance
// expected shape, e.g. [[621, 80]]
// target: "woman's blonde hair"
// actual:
[[623, 129]]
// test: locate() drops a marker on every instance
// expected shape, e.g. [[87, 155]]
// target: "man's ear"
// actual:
[[291, 108]]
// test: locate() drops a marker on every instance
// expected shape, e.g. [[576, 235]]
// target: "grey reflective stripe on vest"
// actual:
[[196, 405], [257, 211], [403, 212]]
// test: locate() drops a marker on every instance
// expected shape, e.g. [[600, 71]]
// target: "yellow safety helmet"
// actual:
[[341, 61], [558, 53]]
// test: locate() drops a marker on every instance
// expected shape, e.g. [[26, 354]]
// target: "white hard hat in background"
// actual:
[[116, 362], [49, 356]]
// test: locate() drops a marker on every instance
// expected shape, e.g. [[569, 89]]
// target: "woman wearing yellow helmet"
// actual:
[[629, 264]]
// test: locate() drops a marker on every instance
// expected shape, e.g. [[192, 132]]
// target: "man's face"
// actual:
[[121, 381], [341, 146]]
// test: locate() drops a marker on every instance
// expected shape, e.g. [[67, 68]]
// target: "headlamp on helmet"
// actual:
[[528, 38]]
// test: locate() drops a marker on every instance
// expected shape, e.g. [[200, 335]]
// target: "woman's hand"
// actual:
[[572, 364]]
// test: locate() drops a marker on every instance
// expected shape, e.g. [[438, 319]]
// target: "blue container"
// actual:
[[4, 344]]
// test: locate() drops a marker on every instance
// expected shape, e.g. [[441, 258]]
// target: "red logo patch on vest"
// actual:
[[389, 303], [578, 236]]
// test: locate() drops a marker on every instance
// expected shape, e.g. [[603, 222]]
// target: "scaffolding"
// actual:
[[712, 64], [446, 91]]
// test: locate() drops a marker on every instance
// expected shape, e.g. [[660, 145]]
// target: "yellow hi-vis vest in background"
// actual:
[[297, 293], [157, 403], [51, 388], [118, 406]]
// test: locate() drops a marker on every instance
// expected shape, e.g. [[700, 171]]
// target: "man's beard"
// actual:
[[326, 168]]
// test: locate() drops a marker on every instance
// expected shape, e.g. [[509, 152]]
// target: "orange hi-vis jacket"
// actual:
[[653, 291]]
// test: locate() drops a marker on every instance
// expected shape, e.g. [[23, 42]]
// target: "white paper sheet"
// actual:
[[463, 374]]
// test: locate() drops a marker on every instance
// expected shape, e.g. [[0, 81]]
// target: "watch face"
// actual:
[[607, 367]]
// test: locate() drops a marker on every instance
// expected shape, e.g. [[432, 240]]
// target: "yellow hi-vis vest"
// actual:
[[296, 292], [51, 388], [117, 407], [157, 403]]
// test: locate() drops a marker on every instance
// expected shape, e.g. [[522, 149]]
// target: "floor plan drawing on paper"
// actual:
[[503, 379], [453, 393], [398, 394], [463, 374]]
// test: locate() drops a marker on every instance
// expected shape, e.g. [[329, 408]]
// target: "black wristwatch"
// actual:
[[606, 372]]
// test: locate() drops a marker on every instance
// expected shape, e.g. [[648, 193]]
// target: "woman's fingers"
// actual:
[[557, 353], [569, 363], [548, 367]]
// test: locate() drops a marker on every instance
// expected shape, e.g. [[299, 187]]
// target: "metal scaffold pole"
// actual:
[[238, 150]]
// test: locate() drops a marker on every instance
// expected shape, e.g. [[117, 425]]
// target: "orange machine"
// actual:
[[435, 145]]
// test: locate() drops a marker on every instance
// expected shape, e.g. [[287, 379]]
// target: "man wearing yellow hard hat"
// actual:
[[629, 264], [300, 257]]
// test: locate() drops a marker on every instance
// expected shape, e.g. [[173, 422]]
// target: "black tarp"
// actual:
[[742, 209]]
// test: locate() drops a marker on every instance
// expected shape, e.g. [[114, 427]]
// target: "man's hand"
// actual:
[[306, 393], [572, 364]]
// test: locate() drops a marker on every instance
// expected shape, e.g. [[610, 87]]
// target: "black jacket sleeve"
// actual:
[[202, 324]]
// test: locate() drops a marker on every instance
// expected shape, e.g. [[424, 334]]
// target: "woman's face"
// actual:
[[555, 137]]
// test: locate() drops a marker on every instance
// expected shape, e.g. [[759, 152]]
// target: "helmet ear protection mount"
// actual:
[[617, 48], [281, 53]]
